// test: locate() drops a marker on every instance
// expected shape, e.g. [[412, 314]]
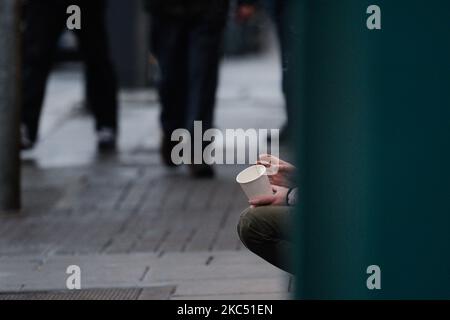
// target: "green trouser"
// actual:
[[265, 232]]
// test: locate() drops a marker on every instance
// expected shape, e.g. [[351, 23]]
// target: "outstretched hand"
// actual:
[[284, 173]]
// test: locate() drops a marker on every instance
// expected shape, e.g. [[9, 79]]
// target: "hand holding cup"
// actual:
[[255, 182], [280, 173]]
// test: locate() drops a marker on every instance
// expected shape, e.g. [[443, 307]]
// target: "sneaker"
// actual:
[[106, 139], [25, 140]]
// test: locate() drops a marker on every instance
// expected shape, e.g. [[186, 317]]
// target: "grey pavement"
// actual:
[[127, 221]]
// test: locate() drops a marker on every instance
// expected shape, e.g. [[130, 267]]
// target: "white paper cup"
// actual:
[[254, 181]]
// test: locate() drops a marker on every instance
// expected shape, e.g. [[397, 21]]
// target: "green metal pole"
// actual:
[[374, 148], [410, 148], [9, 106]]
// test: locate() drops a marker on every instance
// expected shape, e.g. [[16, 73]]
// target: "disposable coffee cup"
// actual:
[[254, 181]]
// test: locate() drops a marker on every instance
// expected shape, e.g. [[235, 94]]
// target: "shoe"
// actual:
[[25, 141], [106, 139], [201, 171], [166, 151]]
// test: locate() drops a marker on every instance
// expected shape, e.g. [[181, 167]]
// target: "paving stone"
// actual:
[[224, 297], [244, 257], [186, 258], [204, 272], [232, 286], [96, 271], [210, 258]]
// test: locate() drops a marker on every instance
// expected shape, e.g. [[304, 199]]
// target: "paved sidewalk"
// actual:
[[127, 221], [187, 275]]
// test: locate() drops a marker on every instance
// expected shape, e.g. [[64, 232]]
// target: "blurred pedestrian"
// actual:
[[45, 20], [277, 11], [186, 38]]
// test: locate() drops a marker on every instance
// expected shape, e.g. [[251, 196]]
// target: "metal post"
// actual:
[[9, 106]]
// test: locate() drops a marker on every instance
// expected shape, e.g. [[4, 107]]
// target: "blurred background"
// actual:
[[120, 214]]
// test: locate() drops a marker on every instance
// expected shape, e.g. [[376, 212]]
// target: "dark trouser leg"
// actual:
[[205, 43], [283, 35], [277, 11], [169, 44], [265, 232], [44, 21], [101, 80]]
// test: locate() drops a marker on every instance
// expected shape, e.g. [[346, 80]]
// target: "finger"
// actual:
[[263, 163], [267, 158], [260, 201]]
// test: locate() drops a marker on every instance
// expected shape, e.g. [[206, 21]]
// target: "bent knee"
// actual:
[[250, 225]]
